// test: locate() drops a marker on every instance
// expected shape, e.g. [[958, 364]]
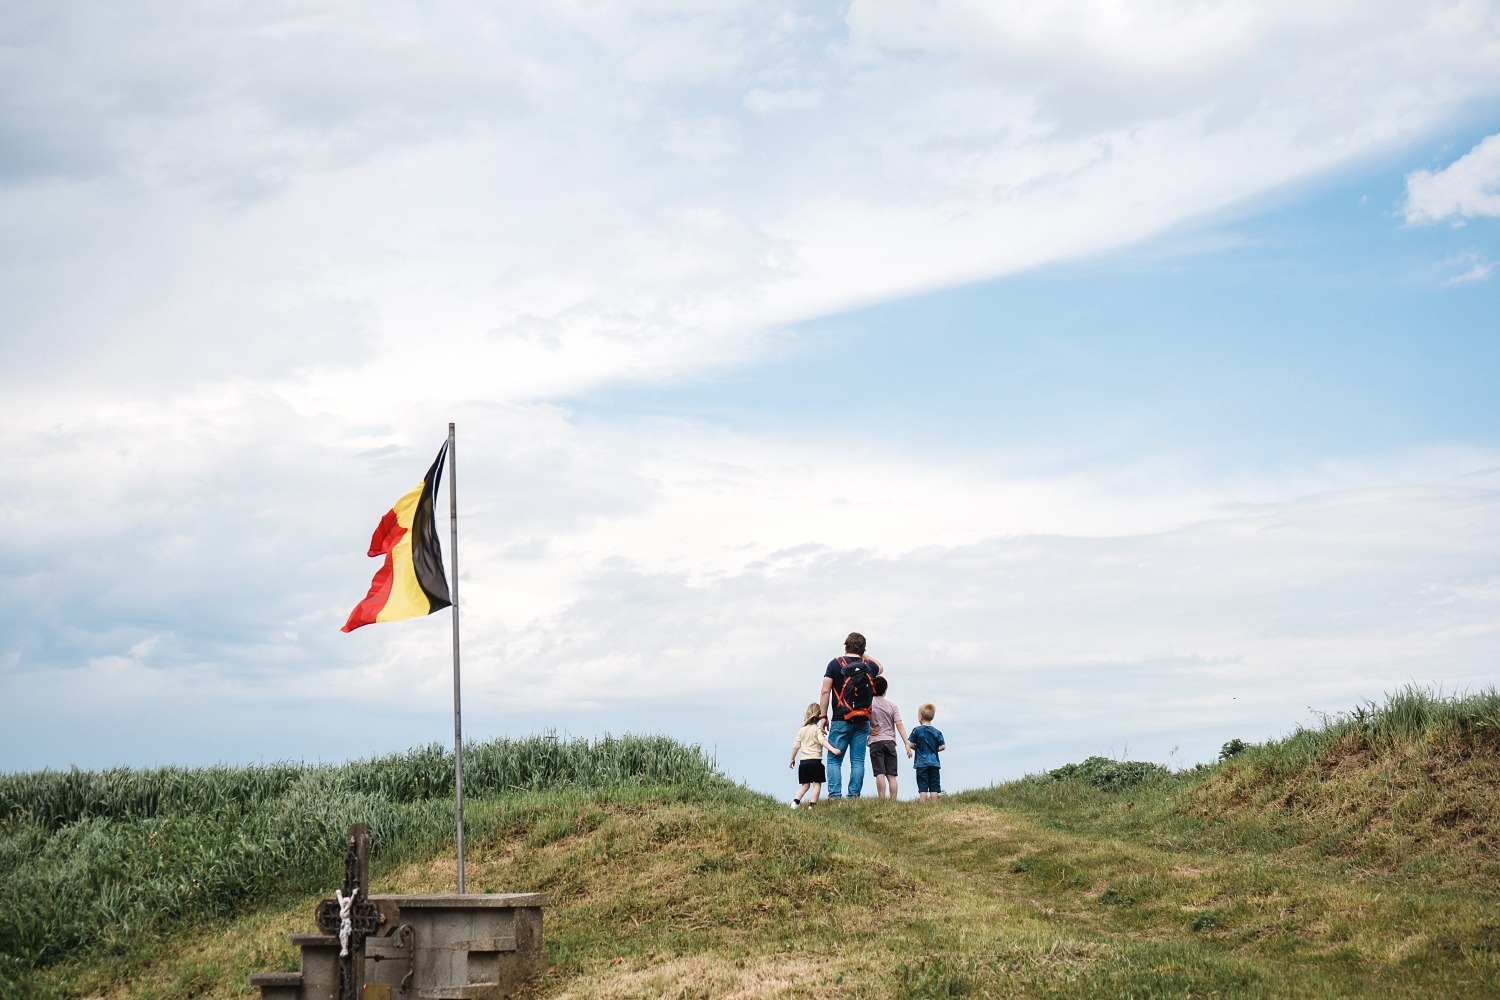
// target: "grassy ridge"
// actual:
[[99, 861], [1406, 788], [663, 893], [1103, 879]]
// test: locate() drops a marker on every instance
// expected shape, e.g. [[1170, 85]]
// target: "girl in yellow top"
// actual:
[[809, 746]]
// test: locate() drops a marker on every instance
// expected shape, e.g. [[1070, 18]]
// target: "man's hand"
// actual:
[[909, 753], [792, 762]]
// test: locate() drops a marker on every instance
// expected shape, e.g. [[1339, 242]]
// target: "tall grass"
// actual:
[[90, 860], [54, 799], [1413, 715], [1404, 787]]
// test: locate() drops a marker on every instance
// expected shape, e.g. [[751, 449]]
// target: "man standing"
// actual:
[[849, 683]]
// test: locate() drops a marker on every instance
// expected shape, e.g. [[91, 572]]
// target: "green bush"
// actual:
[[1102, 772], [1232, 748]]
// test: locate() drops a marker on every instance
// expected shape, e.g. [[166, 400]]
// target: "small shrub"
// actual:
[[1233, 748], [1102, 772]]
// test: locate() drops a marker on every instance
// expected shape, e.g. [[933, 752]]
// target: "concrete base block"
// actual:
[[445, 947]]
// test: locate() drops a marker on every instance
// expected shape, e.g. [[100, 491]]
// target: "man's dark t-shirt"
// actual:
[[837, 674]]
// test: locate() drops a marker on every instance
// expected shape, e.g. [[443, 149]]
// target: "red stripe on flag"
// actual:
[[387, 534]]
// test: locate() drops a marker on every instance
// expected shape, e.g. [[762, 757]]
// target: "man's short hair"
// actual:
[[855, 644], [881, 686]]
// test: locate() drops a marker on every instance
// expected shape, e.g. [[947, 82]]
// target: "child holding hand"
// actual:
[[927, 741], [809, 746], [885, 723]]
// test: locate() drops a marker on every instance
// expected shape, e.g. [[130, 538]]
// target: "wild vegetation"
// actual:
[[97, 862], [1354, 858]]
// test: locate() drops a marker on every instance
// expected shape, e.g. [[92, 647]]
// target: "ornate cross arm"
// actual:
[[352, 916]]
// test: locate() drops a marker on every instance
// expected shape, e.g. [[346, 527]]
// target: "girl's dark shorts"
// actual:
[[883, 758], [929, 779], [810, 772]]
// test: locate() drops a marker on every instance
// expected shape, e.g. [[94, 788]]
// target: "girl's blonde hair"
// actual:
[[813, 714], [926, 712]]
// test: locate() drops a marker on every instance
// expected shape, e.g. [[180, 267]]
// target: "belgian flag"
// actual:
[[411, 583]]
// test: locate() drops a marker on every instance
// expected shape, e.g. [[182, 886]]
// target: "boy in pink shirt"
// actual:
[[885, 722]]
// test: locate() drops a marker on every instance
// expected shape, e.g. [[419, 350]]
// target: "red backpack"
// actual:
[[854, 689]]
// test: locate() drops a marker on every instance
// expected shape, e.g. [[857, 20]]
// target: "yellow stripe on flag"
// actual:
[[407, 599]]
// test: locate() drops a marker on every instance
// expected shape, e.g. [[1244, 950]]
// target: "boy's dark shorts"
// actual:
[[883, 758], [929, 779], [810, 772]]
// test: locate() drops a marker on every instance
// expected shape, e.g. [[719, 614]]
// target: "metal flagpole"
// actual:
[[458, 726]]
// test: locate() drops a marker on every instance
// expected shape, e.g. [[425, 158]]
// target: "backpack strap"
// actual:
[[838, 692]]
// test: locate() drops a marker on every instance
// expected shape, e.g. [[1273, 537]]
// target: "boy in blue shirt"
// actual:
[[927, 742]]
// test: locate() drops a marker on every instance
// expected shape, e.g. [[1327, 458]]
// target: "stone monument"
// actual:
[[452, 946]]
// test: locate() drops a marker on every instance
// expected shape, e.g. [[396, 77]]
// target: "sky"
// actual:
[[1123, 370]]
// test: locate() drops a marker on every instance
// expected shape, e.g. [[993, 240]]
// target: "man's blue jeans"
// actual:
[[850, 738]]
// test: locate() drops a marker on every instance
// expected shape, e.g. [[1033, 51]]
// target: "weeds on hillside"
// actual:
[[716, 891], [1236, 879], [1407, 785], [1411, 716], [92, 860]]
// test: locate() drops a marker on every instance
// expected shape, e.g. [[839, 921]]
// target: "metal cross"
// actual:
[[352, 916]]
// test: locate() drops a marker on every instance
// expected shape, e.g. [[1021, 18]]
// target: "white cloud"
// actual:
[[708, 139], [303, 188], [1471, 267], [629, 576], [254, 259], [1041, 619], [764, 102], [1467, 188], [1094, 66]]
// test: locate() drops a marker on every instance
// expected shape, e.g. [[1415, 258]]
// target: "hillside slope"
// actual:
[[1236, 880], [657, 895]]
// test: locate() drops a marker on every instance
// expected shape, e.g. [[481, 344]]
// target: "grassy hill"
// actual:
[[1354, 859]]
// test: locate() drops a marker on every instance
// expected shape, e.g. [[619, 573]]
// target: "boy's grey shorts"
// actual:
[[883, 758]]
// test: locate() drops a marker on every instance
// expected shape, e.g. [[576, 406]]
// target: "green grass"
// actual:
[[1324, 865], [1403, 789], [97, 862]]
